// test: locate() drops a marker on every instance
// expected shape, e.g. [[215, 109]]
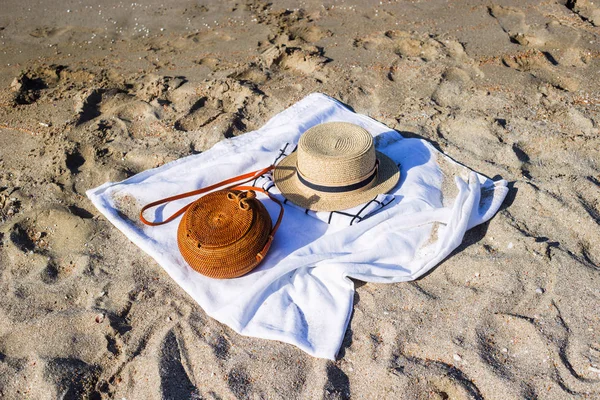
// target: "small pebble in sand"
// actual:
[[510, 245], [457, 357], [594, 369], [99, 318], [504, 350], [539, 290]]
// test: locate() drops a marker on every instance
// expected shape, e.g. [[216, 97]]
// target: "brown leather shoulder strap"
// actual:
[[245, 177]]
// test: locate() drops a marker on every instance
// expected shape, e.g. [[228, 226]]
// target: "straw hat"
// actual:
[[335, 168]]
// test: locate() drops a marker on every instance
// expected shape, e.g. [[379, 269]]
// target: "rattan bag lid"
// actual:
[[217, 219]]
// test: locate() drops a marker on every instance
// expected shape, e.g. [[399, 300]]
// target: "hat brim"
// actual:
[[286, 180]]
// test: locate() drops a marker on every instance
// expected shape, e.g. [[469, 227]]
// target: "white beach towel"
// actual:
[[301, 293]]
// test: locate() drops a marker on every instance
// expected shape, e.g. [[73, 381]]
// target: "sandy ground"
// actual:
[[93, 93]]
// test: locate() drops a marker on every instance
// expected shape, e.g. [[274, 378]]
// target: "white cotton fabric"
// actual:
[[341, 218], [301, 293]]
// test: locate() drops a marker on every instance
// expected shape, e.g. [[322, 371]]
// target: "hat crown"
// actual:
[[336, 153]]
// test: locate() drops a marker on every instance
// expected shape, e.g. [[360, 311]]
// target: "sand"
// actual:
[[93, 93]]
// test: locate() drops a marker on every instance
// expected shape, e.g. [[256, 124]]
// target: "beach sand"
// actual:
[[93, 93]]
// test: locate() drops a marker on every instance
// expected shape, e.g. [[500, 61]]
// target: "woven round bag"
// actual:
[[226, 233], [223, 234]]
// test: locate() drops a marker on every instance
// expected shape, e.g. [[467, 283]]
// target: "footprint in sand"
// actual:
[[175, 382], [471, 134], [588, 10], [47, 32], [298, 58], [551, 48], [426, 65], [290, 46], [403, 44], [309, 33], [220, 111], [537, 64], [444, 380], [512, 21], [453, 88], [52, 243], [33, 83], [73, 378]]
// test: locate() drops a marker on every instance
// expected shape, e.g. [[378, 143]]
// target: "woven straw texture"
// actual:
[[334, 154], [221, 234]]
